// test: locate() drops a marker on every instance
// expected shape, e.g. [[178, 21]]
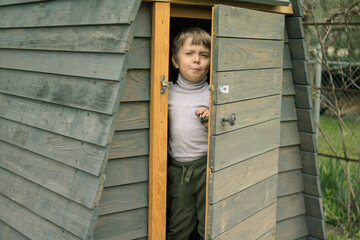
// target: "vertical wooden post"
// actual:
[[158, 121]]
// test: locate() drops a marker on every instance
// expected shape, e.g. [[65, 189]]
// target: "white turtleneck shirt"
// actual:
[[187, 136]]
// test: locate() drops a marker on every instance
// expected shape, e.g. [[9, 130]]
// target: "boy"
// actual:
[[188, 102]]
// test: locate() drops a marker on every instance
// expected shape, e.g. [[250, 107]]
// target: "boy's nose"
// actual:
[[196, 58]]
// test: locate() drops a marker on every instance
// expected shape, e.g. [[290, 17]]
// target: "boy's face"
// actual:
[[193, 61]]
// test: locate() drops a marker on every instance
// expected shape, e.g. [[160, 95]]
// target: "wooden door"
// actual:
[[246, 73]]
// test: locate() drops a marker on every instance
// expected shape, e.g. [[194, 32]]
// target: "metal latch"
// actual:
[[224, 88], [165, 84]]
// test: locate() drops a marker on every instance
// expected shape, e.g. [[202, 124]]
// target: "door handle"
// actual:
[[229, 119]]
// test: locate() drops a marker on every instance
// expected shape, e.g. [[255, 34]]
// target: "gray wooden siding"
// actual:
[[299, 209], [123, 205], [244, 158], [62, 71]]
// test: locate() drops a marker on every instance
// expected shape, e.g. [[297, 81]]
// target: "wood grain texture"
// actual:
[[123, 198], [303, 96], [7, 232], [307, 142], [30, 224], [305, 122], [290, 206], [137, 86], [316, 227], [294, 27], [70, 122], [228, 213], [245, 23], [252, 227], [127, 170], [132, 115], [143, 21], [292, 228], [289, 183], [298, 49], [312, 185], [92, 65], [289, 134], [249, 112], [62, 179], [82, 93], [269, 235], [287, 84], [310, 163], [288, 109], [66, 214], [110, 38], [233, 147], [289, 158], [124, 225], [287, 64], [300, 72], [139, 55], [263, 83], [65, 13], [130, 143], [239, 54], [314, 206], [296, 5], [84, 156], [228, 181]]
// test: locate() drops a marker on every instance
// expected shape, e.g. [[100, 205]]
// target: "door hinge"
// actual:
[[165, 84]]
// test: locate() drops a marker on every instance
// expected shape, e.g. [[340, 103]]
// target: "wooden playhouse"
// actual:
[[83, 119]]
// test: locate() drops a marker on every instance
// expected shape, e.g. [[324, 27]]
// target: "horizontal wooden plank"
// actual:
[[298, 49], [62, 179], [124, 225], [92, 65], [294, 27], [249, 112], [292, 228], [269, 235], [289, 134], [311, 185], [127, 170], [270, 2], [316, 227], [139, 55], [132, 115], [314, 206], [303, 96], [123, 198], [245, 23], [307, 142], [305, 122], [68, 12], [286, 36], [130, 143], [137, 86], [83, 93], [287, 84], [7, 232], [84, 156], [263, 83], [288, 109], [287, 64], [290, 206], [66, 214], [289, 158], [228, 213], [238, 54], [290, 183], [300, 72], [254, 226], [310, 163], [233, 147], [28, 223], [143, 21], [111, 39], [75, 123], [236, 178]]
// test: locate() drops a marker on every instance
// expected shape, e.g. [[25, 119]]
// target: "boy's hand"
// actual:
[[202, 112]]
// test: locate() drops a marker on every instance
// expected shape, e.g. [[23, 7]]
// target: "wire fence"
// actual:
[[334, 71]]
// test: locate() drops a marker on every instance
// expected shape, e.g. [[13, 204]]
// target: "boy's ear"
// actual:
[[174, 61]]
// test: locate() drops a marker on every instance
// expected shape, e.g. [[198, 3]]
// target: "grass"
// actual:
[[333, 178]]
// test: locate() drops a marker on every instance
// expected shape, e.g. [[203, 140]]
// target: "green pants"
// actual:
[[187, 191]]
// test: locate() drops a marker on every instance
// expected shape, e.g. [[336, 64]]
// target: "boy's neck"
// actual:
[[190, 85]]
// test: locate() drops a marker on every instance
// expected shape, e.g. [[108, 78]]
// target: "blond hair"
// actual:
[[199, 37]]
